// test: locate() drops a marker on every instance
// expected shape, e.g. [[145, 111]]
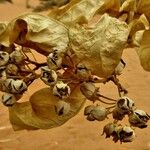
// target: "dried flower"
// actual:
[[62, 90], [139, 118], [4, 58], [49, 77], [12, 69]]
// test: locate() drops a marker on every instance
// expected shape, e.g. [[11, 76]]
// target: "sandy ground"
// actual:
[[78, 133]]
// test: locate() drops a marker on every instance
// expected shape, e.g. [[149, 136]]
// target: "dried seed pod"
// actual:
[[15, 86], [139, 118], [125, 104], [4, 58], [88, 109], [89, 90], [90, 117], [126, 134], [82, 73], [62, 90], [49, 77], [120, 67], [18, 86], [8, 99], [3, 73], [117, 114], [62, 108], [17, 57], [109, 129], [54, 59], [99, 113], [12, 69]]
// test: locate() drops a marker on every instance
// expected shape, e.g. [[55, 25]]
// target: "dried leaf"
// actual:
[[101, 44], [143, 7], [40, 112], [144, 51], [81, 11], [36, 31]]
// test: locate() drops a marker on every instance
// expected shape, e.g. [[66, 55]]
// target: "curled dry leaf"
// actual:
[[81, 11], [144, 51], [40, 112], [102, 44], [36, 31]]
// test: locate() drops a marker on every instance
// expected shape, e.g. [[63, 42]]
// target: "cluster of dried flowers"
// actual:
[[79, 54]]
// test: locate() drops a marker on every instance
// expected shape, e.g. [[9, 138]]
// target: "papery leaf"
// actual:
[[81, 11], [100, 47], [36, 31], [144, 51], [40, 112]]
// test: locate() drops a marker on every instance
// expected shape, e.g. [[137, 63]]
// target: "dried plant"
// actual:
[[80, 56]]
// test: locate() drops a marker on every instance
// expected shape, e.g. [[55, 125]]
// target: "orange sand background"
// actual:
[[78, 133]]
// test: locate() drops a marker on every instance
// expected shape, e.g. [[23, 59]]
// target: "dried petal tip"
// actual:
[[62, 108], [4, 58], [49, 77], [139, 118], [8, 99], [62, 90]]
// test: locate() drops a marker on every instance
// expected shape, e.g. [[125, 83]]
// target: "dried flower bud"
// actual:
[[139, 118], [89, 90], [4, 58], [54, 59], [8, 99], [90, 118], [125, 134], [49, 77], [15, 86], [88, 109], [117, 114], [12, 69], [17, 57], [125, 104], [62, 108], [120, 67], [82, 73], [62, 90], [3, 74], [109, 129], [99, 113]]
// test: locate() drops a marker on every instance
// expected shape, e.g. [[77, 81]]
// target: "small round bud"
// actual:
[[82, 73], [139, 118], [99, 113], [4, 58], [8, 99], [90, 117], [62, 108], [17, 57], [109, 129], [12, 69], [89, 90], [88, 109], [49, 77], [62, 90], [118, 114]]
